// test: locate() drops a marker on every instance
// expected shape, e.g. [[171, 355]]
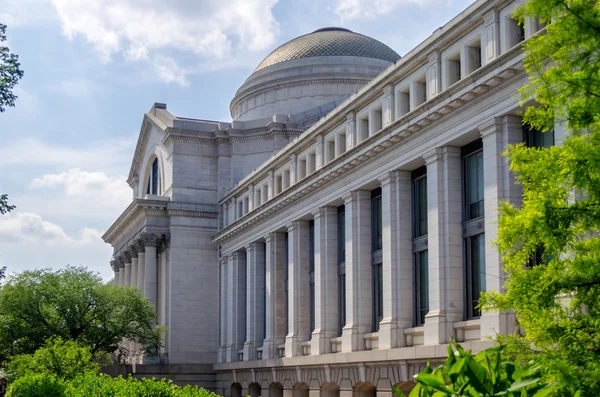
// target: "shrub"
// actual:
[[38, 385]]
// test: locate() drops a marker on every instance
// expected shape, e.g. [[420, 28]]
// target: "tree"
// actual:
[[4, 206], [10, 73], [556, 302], [76, 305]]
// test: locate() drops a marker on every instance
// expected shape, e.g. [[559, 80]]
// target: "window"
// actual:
[[311, 163], [153, 179], [420, 92], [341, 142], [363, 128], [264, 318], [453, 73], [301, 168], [473, 228], [278, 184], [515, 32], [341, 223], [377, 120], [473, 180], [475, 272], [474, 56], [420, 254], [376, 245], [286, 179], [421, 286], [286, 277], [419, 193], [403, 102], [329, 150], [311, 274], [536, 138]]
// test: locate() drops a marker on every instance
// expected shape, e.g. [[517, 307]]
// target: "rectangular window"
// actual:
[[536, 138], [473, 180], [341, 142], [301, 168], [341, 223], [155, 176], [421, 273], [363, 128], [264, 318], [419, 196], [475, 273], [473, 56], [403, 102], [286, 282], [311, 274], [453, 73], [420, 91], [515, 32], [311, 163], [329, 150], [377, 120], [376, 246]]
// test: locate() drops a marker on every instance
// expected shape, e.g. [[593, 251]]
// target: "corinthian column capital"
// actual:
[[150, 239]]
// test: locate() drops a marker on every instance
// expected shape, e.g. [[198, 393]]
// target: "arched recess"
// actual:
[[330, 389], [236, 390], [254, 390], [364, 389], [300, 389], [152, 175], [276, 390], [406, 387]]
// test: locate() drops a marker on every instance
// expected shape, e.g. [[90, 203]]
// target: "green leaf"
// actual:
[[523, 383], [477, 376], [432, 381]]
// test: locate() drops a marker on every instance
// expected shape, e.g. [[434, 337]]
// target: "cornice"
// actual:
[[433, 112]]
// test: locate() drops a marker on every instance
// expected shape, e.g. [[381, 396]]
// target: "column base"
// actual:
[[319, 344], [249, 351], [436, 329], [232, 354], [493, 323], [292, 347], [389, 334], [268, 349], [351, 340]]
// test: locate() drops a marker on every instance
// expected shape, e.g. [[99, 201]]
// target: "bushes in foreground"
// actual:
[[44, 385]]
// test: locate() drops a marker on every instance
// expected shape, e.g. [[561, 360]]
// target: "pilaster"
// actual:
[[236, 304], [223, 321], [350, 130], [388, 105], [491, 39], [358, 270], [298, 288], [319, 152], [434, 75], [275, 293], [255, 287], [444, 207], [326, 290]]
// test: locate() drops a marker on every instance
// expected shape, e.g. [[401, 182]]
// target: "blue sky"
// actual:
[[93, 67]]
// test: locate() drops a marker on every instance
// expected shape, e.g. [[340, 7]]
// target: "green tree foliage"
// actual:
[[44, 385], [65, 359], [486, 374], [10, 73], [73, 304], [557, 303], [4, 206]]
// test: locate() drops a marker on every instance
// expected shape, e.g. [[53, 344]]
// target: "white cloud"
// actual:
[[27, 227], [76, 87], [360, 9], [152, 30], [97, 186], [15, 13]]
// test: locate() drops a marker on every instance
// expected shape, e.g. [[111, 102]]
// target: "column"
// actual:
[[319, 152], [293, 169], [150, 242], [275, 293], [444, 212], [350, 130], [236, 304], [250, 197], [162, 283], [141, 265], [388, 105], [134, 267], [434, 75], [496, 134], [115, 267], [298, 288], [358, 270], [127, 262], [491, 38], [397, 258], [223, 309], [255, 287], [326, 289]]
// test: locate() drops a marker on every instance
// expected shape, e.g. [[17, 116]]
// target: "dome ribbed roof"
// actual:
[[330, 42]]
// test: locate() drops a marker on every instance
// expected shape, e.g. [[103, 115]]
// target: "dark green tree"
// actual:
[[10, 73], [73, 304], [557, 302]]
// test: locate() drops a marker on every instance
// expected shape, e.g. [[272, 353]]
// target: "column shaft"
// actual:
[[150, 274], [223, 309], [444, 207], [127, 281], [298, 288], [358, 270], [141, 270], [255, 287], [236, 289], [275, 294], [326, 289], [134, 272]]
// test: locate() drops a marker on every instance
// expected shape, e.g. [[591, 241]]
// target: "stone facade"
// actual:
[[332, 249]]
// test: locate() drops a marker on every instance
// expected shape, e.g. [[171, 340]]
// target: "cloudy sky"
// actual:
[[93, 67]]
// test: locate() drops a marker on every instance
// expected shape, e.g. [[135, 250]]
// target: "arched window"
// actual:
[[153, 179]]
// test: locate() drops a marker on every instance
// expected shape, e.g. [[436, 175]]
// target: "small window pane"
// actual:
[[474, 185], [422, 286], [475, 272]]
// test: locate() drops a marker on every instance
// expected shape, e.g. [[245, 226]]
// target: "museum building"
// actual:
[[338, 232]]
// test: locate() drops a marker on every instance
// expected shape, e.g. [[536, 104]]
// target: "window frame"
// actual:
[[341, 223], [376, 257], [419, 244]]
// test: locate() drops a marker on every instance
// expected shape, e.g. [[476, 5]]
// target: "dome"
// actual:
[[330, 41], [310, 75]]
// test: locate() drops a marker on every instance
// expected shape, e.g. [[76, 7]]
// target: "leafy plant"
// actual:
[[486, 374]]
